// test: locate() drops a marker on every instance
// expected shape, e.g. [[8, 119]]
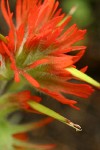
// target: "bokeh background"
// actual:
[[86, 16]]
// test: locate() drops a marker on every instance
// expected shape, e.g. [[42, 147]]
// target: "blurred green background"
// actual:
[[86, 16]]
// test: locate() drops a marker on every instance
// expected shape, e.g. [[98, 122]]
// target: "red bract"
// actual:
[[21, 99], [37, 48]]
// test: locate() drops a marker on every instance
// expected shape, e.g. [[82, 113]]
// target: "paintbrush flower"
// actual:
[[37, 49]]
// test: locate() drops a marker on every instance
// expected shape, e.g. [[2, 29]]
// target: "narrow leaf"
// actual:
[[45, 110], [83, 76]]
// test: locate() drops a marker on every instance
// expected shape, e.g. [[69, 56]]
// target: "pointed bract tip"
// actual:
[[73, 125]]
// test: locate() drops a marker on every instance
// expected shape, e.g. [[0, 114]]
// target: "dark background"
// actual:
[[86, 16]]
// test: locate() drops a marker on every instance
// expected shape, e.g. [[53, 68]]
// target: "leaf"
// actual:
[[47, 111], [83, 76]]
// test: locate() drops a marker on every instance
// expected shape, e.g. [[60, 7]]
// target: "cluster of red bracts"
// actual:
[[37, 48]]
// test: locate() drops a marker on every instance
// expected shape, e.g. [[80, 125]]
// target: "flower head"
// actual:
[[37, 48]]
